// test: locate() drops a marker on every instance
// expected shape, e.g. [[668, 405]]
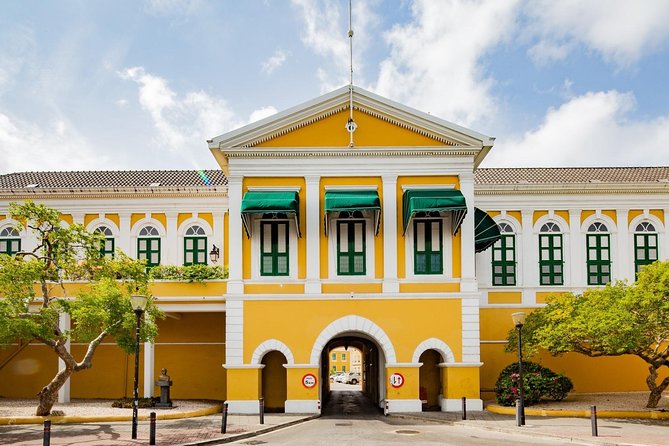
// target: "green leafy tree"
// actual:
[[34, 292], [618, 319]]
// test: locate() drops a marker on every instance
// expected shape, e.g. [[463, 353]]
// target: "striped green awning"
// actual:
[[434, 200], [351, 201], [486, 231], [270, 202]]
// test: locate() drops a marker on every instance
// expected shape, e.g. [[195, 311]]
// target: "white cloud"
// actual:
[[436, 60], [275, 61], [26, 146], [622, 31], [182, 124], [588, 130], [262, 113]]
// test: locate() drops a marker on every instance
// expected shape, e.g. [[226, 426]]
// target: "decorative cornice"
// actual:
[[190, 192], [328, 152]]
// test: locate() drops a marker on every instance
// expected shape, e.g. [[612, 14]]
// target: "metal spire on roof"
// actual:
[[350, 124]]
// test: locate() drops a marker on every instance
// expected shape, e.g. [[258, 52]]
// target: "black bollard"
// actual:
[[47, 433], [152, 429], [464, 407], [224, 420], [593, 420], [262, 410]]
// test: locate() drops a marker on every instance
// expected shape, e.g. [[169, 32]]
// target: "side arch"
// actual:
[[354, 323], [268, 346], [434, 344]]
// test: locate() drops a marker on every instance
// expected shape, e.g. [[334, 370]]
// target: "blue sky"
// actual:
[[129, 84]]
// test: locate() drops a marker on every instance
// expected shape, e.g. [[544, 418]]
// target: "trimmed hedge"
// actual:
[[538, 383]]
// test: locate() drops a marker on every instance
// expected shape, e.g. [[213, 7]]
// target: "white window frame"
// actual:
[[447, 251], [181, 234], [370, 245], [255, 250]]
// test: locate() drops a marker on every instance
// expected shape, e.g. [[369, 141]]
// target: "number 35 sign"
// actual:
[[396, 380]]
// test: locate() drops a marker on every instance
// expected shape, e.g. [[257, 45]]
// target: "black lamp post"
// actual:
[[214, 254], [138, 303], [518, 321]]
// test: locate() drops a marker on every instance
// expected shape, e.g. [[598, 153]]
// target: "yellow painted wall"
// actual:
[[226, 239], [274, 288], [134, 218], [428, 318], [511, 297], [67, 218], [330, 132], [345, 288], [516, 215], [585, 215], [88, 218], [563, 214], [377, 243], [296, 390], [632, 214], [112, 374], [537, 215], [29, 371], [162, 218], [301, 242], [182, 217], [167, 289], [244, 384], [410, 388], [659, 213], [612, 214], [115, 218], [208, 217], [437, 287], [462, 381]]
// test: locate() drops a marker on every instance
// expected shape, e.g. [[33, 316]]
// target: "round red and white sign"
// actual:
[[396, 380], [309, 380]]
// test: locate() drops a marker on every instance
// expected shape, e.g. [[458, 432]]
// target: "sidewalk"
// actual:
[[578, 430], [187, 431]]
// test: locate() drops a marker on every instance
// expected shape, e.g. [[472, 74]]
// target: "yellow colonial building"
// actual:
[[350, 220]]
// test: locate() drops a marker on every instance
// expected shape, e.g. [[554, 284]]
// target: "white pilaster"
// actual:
[[218, 236], [390, 282], [471, 333], [78, 218], [623, 264], [528, 270], [235, 232], [234, 331], [149, 368], [64, 391], [575, 258], [170, 248], [468, 279], [124, 235], [664, 240], [312, 233]]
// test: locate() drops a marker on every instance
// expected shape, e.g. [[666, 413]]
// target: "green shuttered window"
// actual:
[[351, 250], [428, 246], [598, 247], [274, 248], [550, 255], [645, 245], [504, 257]]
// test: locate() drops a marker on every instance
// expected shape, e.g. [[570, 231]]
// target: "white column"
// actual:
[[529, 261], [623, 263], [149, 368], [218, 236], [664, 240], [170, 248], [575, 257], [64, 391], [468, 279], [235, 232], [312, 233], [78, 218], [234, 331], [124, 235], [389, 212]]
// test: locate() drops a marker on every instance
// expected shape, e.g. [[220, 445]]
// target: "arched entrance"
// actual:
[[274, 381], [430, 385]]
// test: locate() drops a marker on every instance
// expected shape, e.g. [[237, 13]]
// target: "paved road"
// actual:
[[350, 418]]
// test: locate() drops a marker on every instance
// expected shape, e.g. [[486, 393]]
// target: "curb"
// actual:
[[655, 415], [8, 421], [245, 435]]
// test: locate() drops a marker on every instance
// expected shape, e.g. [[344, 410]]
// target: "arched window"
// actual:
[[10, 241], [598, 247], [148, 245], [108, 245], [504, 257], [195, 246], [550, 255], [645, 245]]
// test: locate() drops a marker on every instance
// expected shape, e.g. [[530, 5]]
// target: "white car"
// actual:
[[352, 378]]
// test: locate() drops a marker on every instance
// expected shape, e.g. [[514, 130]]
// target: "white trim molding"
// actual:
[[272, 345], [437, 345]]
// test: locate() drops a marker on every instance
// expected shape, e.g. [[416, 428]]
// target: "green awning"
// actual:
[[351, 201], [270, 202], [486, 231], [434, 200]]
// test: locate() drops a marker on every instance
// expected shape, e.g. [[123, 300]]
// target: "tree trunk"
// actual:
[[49, 393], [655, 390]]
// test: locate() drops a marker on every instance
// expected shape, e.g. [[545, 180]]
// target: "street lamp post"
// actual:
[[138, 303], [518, 321]]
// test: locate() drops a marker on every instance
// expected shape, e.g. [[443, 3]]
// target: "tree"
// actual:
[[618, 319], [34, 290]]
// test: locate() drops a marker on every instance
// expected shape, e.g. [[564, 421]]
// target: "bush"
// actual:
[[126, 403], [538, 383], [188, 273]]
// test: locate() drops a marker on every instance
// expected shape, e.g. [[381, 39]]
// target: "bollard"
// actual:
[[518, 423], [224, 421], [47, 433], [464, 407], [593, 420], [152, 428], [262, 410], [319, 406], [386, 411]]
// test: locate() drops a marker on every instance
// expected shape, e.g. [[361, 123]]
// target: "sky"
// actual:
[[142, 84]]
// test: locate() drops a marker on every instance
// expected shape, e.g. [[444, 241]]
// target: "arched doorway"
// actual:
[[273, 380], [430, 385]]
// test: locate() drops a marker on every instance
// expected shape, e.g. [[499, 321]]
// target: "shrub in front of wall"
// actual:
[[188, 273], [538, 383]]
